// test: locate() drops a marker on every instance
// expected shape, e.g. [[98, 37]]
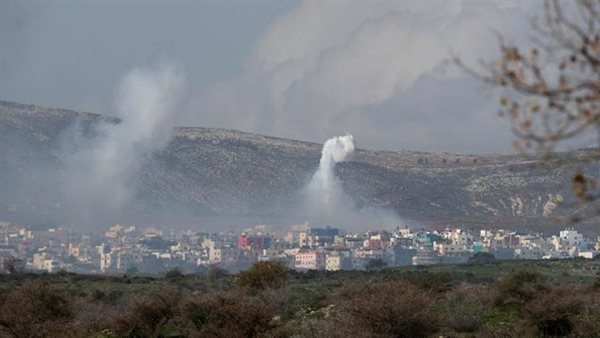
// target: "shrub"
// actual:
[[228, 316], [14, 266], [465, 307], [106, 297], [389, 309], [552, 312], [588, 319], [596, 284], [263, 275], [521, 286], [482, 258], [215, 272], [174, 273], [437, 281], [35, 309], [375, 264], [147, 316]]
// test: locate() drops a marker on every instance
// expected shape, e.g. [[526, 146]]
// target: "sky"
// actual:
[[304, 70]]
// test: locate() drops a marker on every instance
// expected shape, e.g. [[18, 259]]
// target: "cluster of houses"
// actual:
[[128, 249]]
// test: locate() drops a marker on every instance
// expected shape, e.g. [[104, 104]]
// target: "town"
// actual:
[[127, 249]]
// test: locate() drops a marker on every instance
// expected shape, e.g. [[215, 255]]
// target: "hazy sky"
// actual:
[[305, 70]]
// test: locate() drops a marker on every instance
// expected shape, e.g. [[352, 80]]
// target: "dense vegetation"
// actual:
[[489, 299]]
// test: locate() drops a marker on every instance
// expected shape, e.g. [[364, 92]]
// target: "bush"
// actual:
[[174, 273], [552, 312], [147, 316], [386, 309], [596, 284], [437, 281], [106, 297], [482, 258], [521, 286], [228, 316], [14, 266], [263, 275], [215, 272], [465, 307], [375, 264], [588, 319], [35, 309]]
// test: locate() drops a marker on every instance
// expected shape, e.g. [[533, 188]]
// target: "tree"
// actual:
[[482, 258], [375, 264], [174, 273], [132, 269], [13, 265], [553, 89], [263, 275]]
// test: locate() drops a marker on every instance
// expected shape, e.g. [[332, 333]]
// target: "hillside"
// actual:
[[217, 172]]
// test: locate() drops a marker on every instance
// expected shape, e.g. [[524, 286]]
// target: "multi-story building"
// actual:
[[315, 237], [426, 256], [257, 243], [337, 260], [106, 261], [310, 260], [44, 262], [403, 256], [571, 237]]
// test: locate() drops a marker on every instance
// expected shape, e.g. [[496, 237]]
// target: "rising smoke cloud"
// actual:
[[100, 172], [325, 202], [324, 190], [379, 69]]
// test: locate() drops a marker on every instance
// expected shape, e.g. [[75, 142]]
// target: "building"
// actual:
[[403, 256], [338, 261], [571, 237], [310, 260], [106, 261], [426, 256], [314, 237], [8, 255], [253, 242], [43, 261]]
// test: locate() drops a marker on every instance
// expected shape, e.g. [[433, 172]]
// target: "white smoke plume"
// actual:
[[101, 171], [324, 189], [326, 204]]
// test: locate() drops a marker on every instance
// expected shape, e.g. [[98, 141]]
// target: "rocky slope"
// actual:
[[206, 171]]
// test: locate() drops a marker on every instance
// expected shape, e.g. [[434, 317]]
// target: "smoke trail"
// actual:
[[100, 173], [325, 190], [325, 201]]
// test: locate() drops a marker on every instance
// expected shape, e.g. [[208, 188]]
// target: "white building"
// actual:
[[105, 261], [589, 254], [426, 256], [42, 261], [570, 237]]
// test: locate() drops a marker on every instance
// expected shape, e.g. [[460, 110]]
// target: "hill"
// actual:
[[205, 172]]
